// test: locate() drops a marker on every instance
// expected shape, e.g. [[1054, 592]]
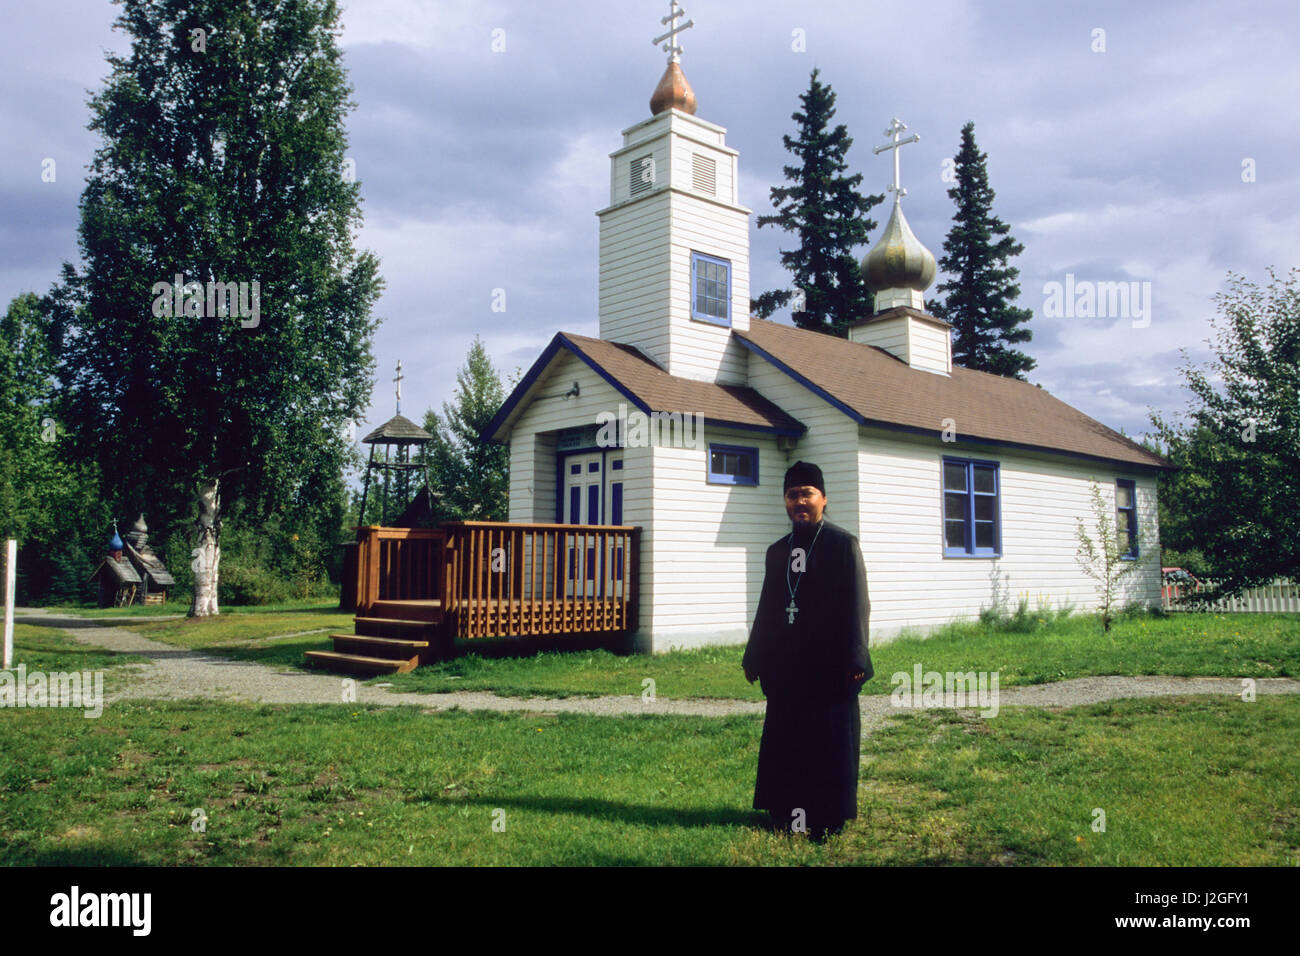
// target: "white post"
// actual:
[[11, 561]]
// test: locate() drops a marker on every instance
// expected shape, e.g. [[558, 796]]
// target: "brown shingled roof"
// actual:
[[398, 430], [650, 386], [883, 389], [734, 404]]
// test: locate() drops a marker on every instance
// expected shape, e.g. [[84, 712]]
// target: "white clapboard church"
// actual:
[[682, 417]]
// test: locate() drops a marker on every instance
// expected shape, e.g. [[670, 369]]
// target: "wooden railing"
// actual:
[[505, 579], [398, 564]]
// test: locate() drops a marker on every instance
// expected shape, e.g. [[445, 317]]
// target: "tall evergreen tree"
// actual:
[[983, 286], [824, 208], [471, 473], [222, 162]]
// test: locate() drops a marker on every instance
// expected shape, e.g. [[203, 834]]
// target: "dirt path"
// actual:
[[177, 674]]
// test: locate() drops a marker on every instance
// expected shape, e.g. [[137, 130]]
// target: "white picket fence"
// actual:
[[1281, 595]]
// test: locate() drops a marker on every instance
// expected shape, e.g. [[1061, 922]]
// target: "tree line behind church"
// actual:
[[824, 208]]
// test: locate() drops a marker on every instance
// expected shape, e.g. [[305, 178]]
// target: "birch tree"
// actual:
[[219, 328]]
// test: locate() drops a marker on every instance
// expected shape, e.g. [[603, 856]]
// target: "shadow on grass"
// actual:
[[255, 609], [73, 856], [616, 642], [612, 810], [70, 623]]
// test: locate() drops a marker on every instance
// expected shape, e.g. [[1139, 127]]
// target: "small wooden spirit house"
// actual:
[[118, 580], [155, 579]]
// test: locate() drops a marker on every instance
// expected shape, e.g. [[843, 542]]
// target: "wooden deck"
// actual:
[[417, 590]]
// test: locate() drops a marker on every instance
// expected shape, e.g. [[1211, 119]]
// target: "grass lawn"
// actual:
[[1034, 650], [277, 636], [51, 651], [1204, 781], [182, 607]]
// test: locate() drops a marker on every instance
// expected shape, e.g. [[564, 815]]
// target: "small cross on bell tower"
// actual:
[[673, 92], [674, 51]]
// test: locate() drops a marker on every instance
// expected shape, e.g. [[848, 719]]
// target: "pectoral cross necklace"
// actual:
[[793, 608]]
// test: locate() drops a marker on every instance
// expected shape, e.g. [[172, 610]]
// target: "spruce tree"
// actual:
[[824, 208], [983, 286], [468, 471]]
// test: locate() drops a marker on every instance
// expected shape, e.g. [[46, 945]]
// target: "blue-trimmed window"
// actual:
[[1126, 516], [710, 289], [732, 465], [972, 508]]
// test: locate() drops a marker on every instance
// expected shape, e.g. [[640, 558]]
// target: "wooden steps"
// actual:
[[359, 663], [378, 646], [395, 637], [393, 627], [430, 611]]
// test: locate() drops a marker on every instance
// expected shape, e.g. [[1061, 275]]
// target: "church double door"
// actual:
[[592, 494]]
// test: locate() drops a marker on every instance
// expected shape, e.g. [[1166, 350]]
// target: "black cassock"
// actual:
[[812, 733]]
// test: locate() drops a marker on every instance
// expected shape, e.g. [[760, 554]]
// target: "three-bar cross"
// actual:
[[671, 48], [895, 130]]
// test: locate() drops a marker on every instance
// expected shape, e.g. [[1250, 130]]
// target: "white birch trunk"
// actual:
[[207, 551]]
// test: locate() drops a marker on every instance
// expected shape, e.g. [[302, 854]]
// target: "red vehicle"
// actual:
[[1176, 582]]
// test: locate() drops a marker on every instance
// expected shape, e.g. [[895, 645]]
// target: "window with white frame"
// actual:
[[710, 288]]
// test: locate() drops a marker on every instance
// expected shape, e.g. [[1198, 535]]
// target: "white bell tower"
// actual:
[[674, 239]]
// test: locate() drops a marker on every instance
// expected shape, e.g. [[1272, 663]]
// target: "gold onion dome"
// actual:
[[673, 92], [898, 260]]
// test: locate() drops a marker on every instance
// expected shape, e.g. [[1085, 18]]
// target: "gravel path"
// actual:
[[177, 674]]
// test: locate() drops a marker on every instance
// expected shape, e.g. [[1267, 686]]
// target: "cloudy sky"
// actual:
[[1152, 143]]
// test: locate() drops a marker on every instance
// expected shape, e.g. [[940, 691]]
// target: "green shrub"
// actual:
[[247, 583]]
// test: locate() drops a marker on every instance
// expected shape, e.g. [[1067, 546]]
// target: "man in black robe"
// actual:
[[808, 647]]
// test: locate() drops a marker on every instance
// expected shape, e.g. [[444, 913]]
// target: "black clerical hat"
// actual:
[[804, 473]]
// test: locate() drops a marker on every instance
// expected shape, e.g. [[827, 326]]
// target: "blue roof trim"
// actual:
[[815, 389], [534, 372], [955, 447], [615, 383]]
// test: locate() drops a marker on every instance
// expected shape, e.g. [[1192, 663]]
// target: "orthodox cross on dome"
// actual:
[[398, 380], [895, 130], [671, 48]]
